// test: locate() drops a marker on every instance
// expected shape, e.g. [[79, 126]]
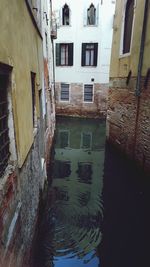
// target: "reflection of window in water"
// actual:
[[64, 139], [84, 198], [85, 172], [86, 140], [62, 194], [62, 169], [90, 221]]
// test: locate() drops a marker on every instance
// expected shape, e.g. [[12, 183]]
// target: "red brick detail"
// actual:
[[128, 123]]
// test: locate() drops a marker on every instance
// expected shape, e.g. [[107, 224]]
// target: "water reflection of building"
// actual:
[[78, 179]]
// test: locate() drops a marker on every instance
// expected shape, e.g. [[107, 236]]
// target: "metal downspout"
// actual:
[[53, 55], [139, 74], [140, 64]]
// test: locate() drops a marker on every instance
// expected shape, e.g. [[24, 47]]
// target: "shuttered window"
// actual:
[[64, 92], [128, 24], [86, 140], [64, 54], [64, 139], [91, 15], [89, 54], [65, 15], [88, 93], [4, 131]]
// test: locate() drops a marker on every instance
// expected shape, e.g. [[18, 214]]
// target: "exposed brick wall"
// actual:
[[142, 146], [19, 203], [77, 107], [128, 121]]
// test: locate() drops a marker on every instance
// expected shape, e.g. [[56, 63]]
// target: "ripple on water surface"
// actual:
[[71, 229]]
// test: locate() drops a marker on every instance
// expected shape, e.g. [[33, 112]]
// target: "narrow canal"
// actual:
[[97, 210]]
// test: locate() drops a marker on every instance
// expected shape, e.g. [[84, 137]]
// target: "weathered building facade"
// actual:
[[82, 53], [128, 117], [23, 125]]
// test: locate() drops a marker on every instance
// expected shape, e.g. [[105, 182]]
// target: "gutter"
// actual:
[[141, 54]]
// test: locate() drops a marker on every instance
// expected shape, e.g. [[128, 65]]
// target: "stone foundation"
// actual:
[[128, 121], [76, 105], [19, 204]]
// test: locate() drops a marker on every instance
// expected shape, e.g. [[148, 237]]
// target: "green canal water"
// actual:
[[97, 211]]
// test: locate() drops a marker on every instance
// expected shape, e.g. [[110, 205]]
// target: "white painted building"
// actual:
[[82, 51]]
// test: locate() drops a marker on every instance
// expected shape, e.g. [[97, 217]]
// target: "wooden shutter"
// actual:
[[83, 54], [57, 54], [95, 53], [70, 54]]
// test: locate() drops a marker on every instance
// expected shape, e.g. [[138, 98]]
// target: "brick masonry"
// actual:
[[77, 107], [19, 204], [128, 120]]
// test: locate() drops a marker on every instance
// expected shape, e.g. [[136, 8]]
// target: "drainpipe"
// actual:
[[140, 64], [53, 66], [53, 54], [139, 74]]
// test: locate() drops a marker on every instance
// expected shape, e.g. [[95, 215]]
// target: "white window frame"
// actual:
[[88, 102], [61, 100], [121, 54]]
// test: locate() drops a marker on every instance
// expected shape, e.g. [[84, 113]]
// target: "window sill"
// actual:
[[64, 66], [89, 66], [64, 101], [95, 26], [65, 26], [125, 55]]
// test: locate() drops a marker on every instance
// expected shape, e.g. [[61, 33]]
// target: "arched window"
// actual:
[[128, 24], [65, 15], [91, 15]]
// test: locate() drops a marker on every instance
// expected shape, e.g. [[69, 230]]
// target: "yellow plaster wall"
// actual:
[[121, 65], [21, 47]]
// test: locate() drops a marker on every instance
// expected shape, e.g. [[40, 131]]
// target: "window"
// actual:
[[64, 138], [65, 15], [88, 93], [64, 95], [62, 169], [89, 54], [85, 172], [91, 15], [4, 130], [64, 54], [128, 23], [84, 198], [33, 96], [86, 140]]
